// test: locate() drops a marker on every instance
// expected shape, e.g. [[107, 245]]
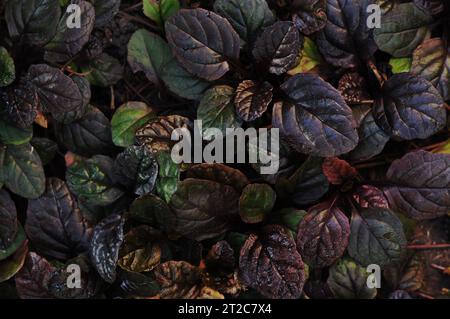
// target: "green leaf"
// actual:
[[18, 241], [376, 237], [169, 175], [402, 29], [10, 134], [149, 209], [103, 71], [160, 10], [257, 200], [288, 217], [310, 57], [126, 120], [400, 65], [92, 180], [348, 280], [9, 267], [247, 17], [7, 68], [149, 53], [23, 172], [217, 110]]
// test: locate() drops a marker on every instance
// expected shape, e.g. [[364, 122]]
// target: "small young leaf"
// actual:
[[127, 119], [8, 221], [400, 65], [309, 58], [256, 201], [160, 10], [252, 99], [168, 177], [7, 68]]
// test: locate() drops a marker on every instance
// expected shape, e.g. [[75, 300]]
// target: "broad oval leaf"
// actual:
[[217, 111], [54, 223], [32, 280], [346, 40], [431, 60], [376, 237], [7, 68], [156, 135], [248, 18], [278, 47], [23, 172], [141, 250], [105, 245], [150, 209], [338, 171], [420, 185], [411, 108], [104, 70], [57, 92], [219, 173], [105, 10], [18, 241], [89, 135], [256, 201], [10, 266], [92, 180], [310, 16], [8, 221], [252, 99], [68, 41], [271, 264], [127, 119], [348, 280], [317, 121], [203, 42], [32, 21], [19, 104], [403, 28], [136, 168], [323, 235], [203, 209]]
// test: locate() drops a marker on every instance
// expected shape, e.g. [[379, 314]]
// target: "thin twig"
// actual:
[[429, 246]]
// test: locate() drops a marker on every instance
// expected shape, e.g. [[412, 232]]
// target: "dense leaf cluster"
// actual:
[[87, 179]]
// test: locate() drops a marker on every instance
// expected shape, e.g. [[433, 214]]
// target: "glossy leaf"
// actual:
[[317, 121], [217, 111], [278, 47], [127, 120], [256, 201], [252, 99], [105, 244], [420, 185], [10, 134], [8, 220], [19, 103], [203, 42], [104, 71], [376, 237], [338, 171], [28, 21], [160, 10], [18, 241], [323, 235], [92, 180], [203, 209], [346, 40], [7, 68], [309, 58], [403, 28], [248, 18], [136, 168], [22, 171], [431, 60], [168, 176], [348, 280], [411, 108], [89, 135], [54, 223], [68, 42], [150, 209], [178, 279], [10, 266], [271, 264]]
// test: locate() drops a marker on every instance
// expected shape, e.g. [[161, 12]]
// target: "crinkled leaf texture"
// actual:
[[32, 21], [376, 237], [105, 10], [55, 224], [8, 220], [346, 40], [256, 201], [137, 169], [411, 108], [7, 68], [202, 208], [252, 99], [203, 42], [420, 185], [68, 42], [316, 120], [431, 60], [105, 245], [402, 28], [248, 17], [271, 264], [323, 235], [348, 280], [278, 47]]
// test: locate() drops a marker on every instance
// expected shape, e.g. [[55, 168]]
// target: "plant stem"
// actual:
[[429, 246]]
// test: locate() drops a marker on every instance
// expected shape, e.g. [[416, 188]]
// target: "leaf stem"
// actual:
[[428, 246], [377, 73]]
